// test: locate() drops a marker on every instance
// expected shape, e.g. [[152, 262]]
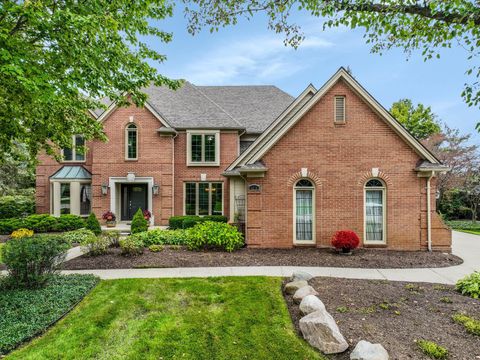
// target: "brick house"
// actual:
[[294, 170]]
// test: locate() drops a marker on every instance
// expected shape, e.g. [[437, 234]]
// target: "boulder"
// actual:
[[311, 303], [301, 275], [321, 331], [302, 292], [368, 351], [292, 287]]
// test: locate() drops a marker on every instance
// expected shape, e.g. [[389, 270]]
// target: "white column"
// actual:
[[56, 198], [75, 198]]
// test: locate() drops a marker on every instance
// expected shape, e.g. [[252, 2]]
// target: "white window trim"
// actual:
[[74, 151], [189, 148], [335, 109], [314, 214], [74, 202], [197, 196], [384, 213], [126, 142]]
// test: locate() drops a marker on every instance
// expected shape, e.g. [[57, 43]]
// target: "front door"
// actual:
[[134, 197]]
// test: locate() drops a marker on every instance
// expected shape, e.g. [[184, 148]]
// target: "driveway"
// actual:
[[466, 246]]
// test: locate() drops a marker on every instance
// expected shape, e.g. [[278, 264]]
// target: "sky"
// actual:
[[249, 53]]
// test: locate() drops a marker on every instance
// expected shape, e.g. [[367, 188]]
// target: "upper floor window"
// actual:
[[203, 148], [131, 142], [77, 151], [339, 115]]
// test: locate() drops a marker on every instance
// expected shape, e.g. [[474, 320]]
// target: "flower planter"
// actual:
[[111, 224]]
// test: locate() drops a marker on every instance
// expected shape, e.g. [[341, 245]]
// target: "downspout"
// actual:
[[429, 213], [173, 173]]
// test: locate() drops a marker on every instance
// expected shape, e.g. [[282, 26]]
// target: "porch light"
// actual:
[[155, 189], [104, 189]]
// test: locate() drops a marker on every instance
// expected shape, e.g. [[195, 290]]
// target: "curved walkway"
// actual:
[[466, 246]]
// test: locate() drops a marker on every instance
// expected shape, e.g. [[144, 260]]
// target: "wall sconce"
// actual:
[[155, 189], [104, 189]]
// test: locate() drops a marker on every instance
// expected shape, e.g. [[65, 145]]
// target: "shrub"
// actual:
[[432, 350], [470, 285], [188, 221], [214, 235], [7, 226], [78, 236], [21, 233], [345, 240], [42, 223], [92, 224], [175, 222], [131, 246], [95, 245], [156, 248], [113, 236], [191, 221], [139, 224], [470, 324], [216, 218], [31, 261], [68, 222], [162, 237], [16, 206]]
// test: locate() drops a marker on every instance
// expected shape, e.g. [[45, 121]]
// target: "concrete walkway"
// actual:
[[466, 246]]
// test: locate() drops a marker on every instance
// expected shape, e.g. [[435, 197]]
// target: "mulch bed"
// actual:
[[395, 314], [181, 257]]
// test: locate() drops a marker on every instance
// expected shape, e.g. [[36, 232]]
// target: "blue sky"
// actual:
[[249, 53]]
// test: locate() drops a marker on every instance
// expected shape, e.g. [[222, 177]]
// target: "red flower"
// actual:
[[109, 216], [147, 214], [345, 240]]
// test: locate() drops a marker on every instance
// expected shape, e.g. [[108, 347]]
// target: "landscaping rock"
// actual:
[[302, 292], [301, 275], [311, 303], [292, 287], [321, 331], [368, 351]]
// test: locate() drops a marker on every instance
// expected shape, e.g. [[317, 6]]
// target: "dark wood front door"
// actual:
[[134, 197]]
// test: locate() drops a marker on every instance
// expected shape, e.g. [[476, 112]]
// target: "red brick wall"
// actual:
[[339, 159]]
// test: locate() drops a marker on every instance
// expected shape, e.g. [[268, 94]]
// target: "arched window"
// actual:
[[131, 142], [304, 211], [375, 206]]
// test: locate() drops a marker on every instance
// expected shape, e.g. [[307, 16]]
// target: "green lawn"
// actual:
[[215, 318], [465, 226]]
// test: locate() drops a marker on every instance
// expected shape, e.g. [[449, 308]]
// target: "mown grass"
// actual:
[[214, 318], [467, 226]]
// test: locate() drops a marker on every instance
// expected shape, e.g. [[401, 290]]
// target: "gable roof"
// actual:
[[305, 102], [249, 108]]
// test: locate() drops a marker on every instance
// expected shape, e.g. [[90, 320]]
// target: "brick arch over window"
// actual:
[[310, 175], [367, 175]]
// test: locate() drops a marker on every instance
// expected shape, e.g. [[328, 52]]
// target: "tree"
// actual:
[[17, 172], [411, 25], [58, 57], [472, 190], [419, 120]]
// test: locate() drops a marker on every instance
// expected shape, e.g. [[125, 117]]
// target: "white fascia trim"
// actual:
[[340, 74], [310, 89]]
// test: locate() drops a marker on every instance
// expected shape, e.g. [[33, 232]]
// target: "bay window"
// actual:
[[203, 198]]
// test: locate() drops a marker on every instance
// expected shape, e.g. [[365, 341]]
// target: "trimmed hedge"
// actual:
[[139, 223], [16, 206], [189, 221], [93, 225], [42, 223]]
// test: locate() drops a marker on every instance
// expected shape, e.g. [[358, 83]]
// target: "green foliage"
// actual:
[[16, 206], [156, 248], [78, 236], [139, 223], [58, 56], [420, 121], [92, 224], [470, 324], [454, 204], [95, 245], [131, 246], [32, 261], [162, 237], [27, 313], [470, 285], [189, 221], [432, 349], [214, 235], [113, 237], [42, 223], [463, 225]]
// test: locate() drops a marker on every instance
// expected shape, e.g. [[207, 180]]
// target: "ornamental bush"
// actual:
[[139, 223], [162, 237], [68, 222], [95, 245], [113, 237], [16, 206], [77, 236], [131, 246], [42, 223], [92, 224], [21, 233], [31, 261], [345, 240], [189, 221], [214, 235], [470, 285]]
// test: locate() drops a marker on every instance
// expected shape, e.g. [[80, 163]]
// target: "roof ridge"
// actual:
[[214, 103]]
